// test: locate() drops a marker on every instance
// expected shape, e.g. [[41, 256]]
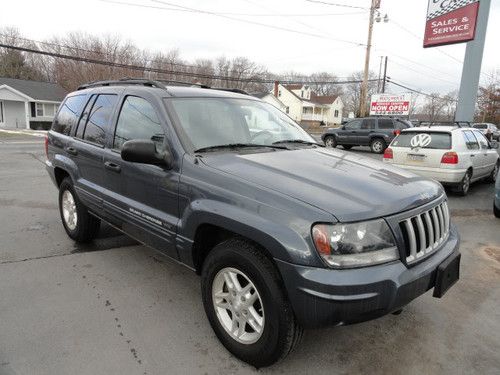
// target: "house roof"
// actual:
[[260, 95], [36, 90], [294, 87], [323, 99]]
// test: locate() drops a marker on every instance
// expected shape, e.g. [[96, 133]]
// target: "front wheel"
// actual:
[[79, 224], [330, 141], [246, 305], [377, 146], [493, 175]]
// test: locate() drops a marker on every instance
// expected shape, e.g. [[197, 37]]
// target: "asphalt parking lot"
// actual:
[[115, 307]]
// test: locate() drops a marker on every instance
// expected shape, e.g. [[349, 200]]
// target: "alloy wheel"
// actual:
[[69, 210], [238, 305]]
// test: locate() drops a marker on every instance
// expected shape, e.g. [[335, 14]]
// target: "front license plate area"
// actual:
[[448, 273]]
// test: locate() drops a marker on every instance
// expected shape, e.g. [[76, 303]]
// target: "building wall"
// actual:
[[14, 115], [271, 99], [292, 102], [339, 106]]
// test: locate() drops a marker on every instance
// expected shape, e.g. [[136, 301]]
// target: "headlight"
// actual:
[[355, 245]]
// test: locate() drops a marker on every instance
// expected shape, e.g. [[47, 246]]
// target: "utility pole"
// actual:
[[379, 74], [471, 70], [385, 75], [364, 85]]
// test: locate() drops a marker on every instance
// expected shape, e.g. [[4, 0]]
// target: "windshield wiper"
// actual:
[[301, 141], [237, 145]]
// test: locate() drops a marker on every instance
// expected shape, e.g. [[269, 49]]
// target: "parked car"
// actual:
[[449, 154], [496, 201], [488, 129], [285, 233], [376, 132]]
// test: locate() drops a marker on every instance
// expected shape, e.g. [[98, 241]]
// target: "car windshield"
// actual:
[[438, 140], [210, 122]]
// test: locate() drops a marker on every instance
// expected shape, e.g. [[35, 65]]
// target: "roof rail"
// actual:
[[457, 124], [123, 81]]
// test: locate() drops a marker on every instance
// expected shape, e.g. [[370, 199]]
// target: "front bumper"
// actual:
[[323, 296]]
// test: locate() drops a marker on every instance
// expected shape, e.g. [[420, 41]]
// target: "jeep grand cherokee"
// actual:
[[285, 233]]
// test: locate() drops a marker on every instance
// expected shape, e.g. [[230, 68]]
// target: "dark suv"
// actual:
[[376, 132], [285, 233]]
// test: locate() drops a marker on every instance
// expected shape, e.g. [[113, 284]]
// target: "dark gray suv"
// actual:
[[285, 233], [376, 132]]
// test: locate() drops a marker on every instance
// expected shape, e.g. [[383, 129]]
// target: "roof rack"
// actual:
[[123, 81], [457, 124], [155, 83]]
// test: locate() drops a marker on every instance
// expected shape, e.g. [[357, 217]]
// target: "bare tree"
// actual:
[[318, 82], [352, 92], [13, 63], [434, 107]]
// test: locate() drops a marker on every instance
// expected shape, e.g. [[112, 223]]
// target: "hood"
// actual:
[[349, 186]]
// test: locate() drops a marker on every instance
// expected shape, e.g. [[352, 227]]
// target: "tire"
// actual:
[[79, 224], [496, 211], [493, 175], [378, 146], [330, 141], [347, 147], [279, 333], [463, 187]]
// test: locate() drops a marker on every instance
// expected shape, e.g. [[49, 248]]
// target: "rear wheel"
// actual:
[[246, 304], [464, 185], [378, 145], [330, 141], [79, 224]]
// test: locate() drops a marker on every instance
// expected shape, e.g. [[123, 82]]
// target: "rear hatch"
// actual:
[[421, 147]]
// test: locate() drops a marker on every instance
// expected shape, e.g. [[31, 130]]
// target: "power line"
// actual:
[[232, 13], [421, 73], [305, 33], [166, 71], [335, 4], [389, 80]]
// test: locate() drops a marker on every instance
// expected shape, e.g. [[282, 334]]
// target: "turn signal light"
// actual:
[[320, 238], [388, 154], [450, 158], [397, 132]]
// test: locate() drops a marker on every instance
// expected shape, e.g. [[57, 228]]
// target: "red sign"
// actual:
[[390, 104], [450, 21]]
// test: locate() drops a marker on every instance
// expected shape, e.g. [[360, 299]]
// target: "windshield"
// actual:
[[210, 122], [436, 140]]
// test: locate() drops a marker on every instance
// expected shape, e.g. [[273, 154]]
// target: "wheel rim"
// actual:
[[466, 183], [238, 305], [377, 146], [329, 142], [70, 215]]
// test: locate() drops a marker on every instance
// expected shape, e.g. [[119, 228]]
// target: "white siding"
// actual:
[[292, 102]]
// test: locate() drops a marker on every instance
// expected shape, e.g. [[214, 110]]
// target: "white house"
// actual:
[[305, 106], [271, 99], [28, 104]]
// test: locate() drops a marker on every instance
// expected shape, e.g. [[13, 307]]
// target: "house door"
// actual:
[[2, 114]]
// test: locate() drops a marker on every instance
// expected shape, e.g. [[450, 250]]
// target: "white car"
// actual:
[[449, 154], [487, 128]]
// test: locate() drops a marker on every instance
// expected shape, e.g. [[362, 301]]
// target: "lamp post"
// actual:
[[375, 16]]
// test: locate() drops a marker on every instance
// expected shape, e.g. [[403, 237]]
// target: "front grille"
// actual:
[[425, 232]]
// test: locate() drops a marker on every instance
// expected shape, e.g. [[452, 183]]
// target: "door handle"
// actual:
[[71, 150], [112, 166], [472, 155]]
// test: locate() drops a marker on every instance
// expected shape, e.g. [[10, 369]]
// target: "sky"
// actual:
[[283, 35]]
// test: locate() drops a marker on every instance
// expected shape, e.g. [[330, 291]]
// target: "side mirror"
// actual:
[[342, 127], [494, 144], [144, 151]]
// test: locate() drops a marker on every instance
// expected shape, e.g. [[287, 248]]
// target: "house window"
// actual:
[[302, 93], [39, 110], [48, 110], [304, 110], [287, 110], [279, 93], [336, 113]]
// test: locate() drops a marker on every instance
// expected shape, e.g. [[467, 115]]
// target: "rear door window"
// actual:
[[481, 139], [69, 114], [438, 140], [385, 123], [99, 117], [470, 140], [368, 123]]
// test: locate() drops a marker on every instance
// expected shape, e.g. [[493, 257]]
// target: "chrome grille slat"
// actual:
[[425, 232]]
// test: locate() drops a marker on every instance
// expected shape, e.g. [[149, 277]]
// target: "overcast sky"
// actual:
[[318, 37]]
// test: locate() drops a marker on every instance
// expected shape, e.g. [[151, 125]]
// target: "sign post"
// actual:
[[471, 71], [390, 104]]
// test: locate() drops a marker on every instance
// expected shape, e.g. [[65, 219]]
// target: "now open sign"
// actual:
[[390, 105]]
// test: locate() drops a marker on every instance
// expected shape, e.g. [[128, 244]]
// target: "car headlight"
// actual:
[[355, 245]]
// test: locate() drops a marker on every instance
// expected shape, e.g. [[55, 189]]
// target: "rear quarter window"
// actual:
[[69, 114], [438, 140]]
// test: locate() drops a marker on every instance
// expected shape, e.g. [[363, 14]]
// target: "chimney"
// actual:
[[276, 83]]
